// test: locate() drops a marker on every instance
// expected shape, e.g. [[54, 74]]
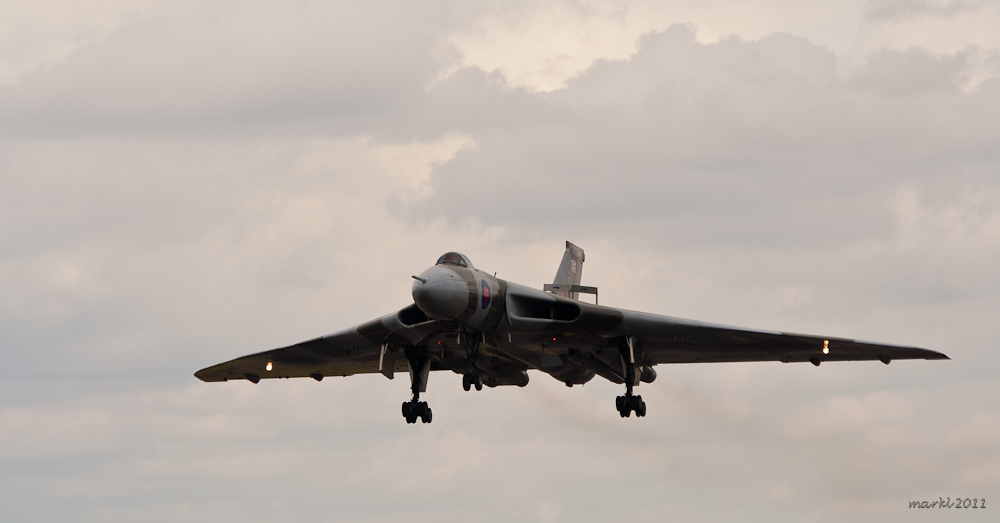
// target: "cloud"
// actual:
[[36, 35], [541, 45], [127, 254], [895, 73], [245, 68], [729, 135], [897, 10], [948, 28]]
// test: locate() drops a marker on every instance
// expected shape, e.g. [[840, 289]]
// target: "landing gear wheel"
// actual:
[[628, 404], [638, 406], [479, 382], [417, 409], [466, 382], [624, 405]]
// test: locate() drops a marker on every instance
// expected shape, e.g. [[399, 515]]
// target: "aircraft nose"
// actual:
[[440, 293]]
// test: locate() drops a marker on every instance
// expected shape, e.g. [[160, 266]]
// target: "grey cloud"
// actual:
[[254, 71], [243, 70], [896, 10], [899, 73], [729, 135], [232, 453]]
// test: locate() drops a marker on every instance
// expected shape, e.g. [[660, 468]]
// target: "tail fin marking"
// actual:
[[570, 269]]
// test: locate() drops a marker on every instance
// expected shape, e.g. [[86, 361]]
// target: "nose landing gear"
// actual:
[[470, 379]]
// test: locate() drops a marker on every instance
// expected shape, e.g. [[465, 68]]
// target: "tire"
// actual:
[[642, 410], [620, 403], [406, 409], [466, 382], [428, 416], [479, 382]]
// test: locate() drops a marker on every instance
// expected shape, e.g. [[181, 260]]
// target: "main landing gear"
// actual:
[[628, 404], [470, 340], [420, 367], [417, 409], [631, 352]]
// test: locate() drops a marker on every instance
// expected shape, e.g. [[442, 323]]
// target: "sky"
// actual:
[[185, 183]]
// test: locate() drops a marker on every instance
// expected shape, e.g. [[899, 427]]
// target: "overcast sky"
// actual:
[[184, 184]]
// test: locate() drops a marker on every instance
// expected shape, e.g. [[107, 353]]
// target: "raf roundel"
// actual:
[[486, 294]]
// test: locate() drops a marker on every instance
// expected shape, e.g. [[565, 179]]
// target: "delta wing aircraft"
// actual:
[[493, 331]]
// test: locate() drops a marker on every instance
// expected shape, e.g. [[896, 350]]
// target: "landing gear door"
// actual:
[[387, 360]]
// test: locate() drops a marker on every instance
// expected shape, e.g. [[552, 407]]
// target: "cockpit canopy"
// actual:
[[454, 258]]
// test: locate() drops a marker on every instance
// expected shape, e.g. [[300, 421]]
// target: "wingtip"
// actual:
[[205, 376]]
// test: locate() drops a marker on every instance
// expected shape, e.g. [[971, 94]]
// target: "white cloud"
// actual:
[[38, 34], [541, 45]]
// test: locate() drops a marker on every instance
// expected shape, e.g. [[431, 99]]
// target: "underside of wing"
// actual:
[[316, 358], [358, 350], [673, 340], [573, 341]]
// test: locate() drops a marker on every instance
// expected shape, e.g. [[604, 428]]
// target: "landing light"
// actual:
[[826, 346], [269, 366]]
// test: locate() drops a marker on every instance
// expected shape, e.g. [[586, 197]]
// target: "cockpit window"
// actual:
[[454, 258]]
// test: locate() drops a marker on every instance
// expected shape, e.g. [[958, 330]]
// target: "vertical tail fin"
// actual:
[[571, 269]]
